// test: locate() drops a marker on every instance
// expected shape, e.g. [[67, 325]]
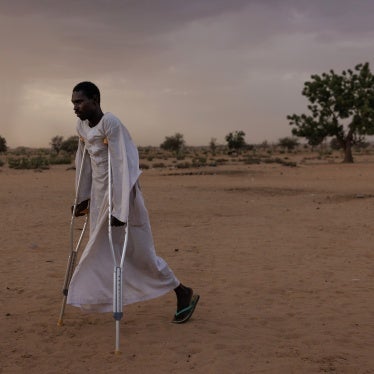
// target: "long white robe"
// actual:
[[145, 275]]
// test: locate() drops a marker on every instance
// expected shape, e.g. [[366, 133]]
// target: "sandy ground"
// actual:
[[282, 258]]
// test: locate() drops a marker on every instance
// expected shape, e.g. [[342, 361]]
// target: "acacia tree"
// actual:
[[56, 143], [288, 143], [3, 146], [235, 140], [70, 145], [213, 146], [341, 106], [174, 143]]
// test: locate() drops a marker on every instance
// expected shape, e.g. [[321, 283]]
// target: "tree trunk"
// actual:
[[348, 158]]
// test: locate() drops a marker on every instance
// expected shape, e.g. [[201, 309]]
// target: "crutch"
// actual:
[[118, 263], [73, 250]]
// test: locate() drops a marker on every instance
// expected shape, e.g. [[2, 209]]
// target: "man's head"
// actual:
[[86, 100]]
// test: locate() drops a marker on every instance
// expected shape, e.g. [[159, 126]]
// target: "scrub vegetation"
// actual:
[[287, 152]]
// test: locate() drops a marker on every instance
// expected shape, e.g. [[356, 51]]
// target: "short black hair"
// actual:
[[89, 89]]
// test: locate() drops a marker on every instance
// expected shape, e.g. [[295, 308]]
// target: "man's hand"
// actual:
[[116, 222], [81, 209]]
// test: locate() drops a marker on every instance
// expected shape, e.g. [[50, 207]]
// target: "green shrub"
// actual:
[[199, 162], [221, 161], [180, 155], [174, 143], [278, 160], [60, 160], [37, 162], [249, 160], [183, 165], [158, 165], [21, 151], [143, 166], [43, 151]]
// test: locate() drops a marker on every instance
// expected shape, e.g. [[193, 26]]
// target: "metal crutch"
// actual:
[[118, 265], [74, 250]]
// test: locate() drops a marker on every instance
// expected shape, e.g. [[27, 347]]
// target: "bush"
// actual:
[[56, 143], [213, 146], [20, 151], [37, 162], [173, 143], [249, 160], [70, 145], [183, 165], [199, 162], [60, 160], [43, 151], [158, 165], [221, 161], [235, 140], [288, 143], [180, 155], [278, 160], [3, 146], [143, 166]]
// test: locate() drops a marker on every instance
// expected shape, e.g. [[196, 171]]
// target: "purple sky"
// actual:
[[199, 67]]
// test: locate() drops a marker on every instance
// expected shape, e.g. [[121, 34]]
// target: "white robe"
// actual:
[[145, 275]]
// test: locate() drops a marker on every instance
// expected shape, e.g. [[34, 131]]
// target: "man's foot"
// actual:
[[186, 304]]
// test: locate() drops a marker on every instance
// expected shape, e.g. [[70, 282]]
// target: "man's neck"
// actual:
[[92, 122]]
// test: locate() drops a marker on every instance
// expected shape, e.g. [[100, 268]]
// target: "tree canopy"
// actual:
[[56, 143], [70, 145], [288, 143], [235, 140], [3, 146], [341, 106], [174, 143]]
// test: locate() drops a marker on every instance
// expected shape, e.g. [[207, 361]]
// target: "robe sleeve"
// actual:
[[84, 190], [121, 185]]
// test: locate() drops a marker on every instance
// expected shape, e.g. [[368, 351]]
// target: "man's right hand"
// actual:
[[81, 209]]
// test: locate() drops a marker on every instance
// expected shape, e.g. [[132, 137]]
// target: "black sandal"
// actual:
[[185, 314]]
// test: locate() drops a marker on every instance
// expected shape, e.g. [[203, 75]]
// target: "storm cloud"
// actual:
[[202, 68]]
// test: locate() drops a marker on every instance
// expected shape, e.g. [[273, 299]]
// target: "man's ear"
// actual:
[[95, 98]]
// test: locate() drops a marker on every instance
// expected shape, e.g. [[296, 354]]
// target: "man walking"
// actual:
[[145, 275]]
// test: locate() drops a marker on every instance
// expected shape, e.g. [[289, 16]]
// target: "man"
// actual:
[[145, 275]]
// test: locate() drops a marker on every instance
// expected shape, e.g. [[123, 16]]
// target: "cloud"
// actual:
[[202, 68]]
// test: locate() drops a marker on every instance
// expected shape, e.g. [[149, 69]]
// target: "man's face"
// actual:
[[84, 107]]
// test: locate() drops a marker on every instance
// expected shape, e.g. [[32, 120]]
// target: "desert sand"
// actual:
[[281, 256]]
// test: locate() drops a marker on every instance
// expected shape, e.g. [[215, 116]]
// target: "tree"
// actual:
[[288, 142], [341, 106], [174, 143], [56, 143], [235, 140], [3, 146], [213, 146], [70, 145]]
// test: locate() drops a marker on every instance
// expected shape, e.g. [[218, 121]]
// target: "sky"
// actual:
[[202, 68]]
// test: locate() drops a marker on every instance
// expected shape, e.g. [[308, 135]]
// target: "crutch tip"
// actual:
[[117, 353]]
